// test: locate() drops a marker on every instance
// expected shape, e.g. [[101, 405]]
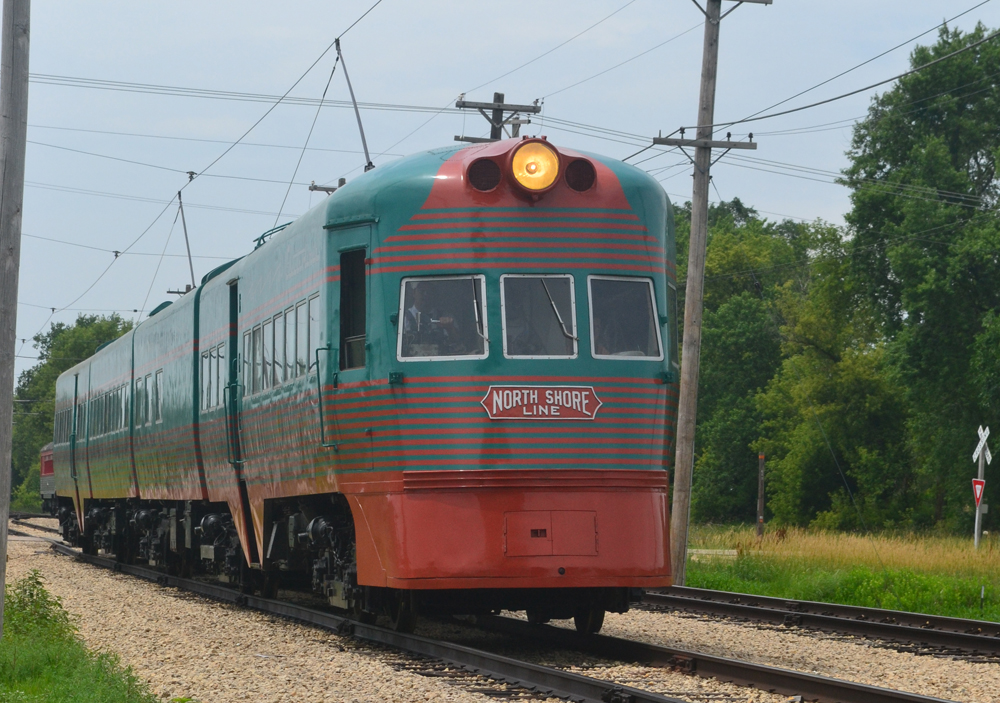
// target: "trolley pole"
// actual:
[[13, 141], [691, 350], [760, 494]]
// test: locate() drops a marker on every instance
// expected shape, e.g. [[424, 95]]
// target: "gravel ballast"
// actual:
[[186, 646], [837, 656]]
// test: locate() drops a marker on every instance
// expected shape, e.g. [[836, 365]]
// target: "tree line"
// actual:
[[861, 360]]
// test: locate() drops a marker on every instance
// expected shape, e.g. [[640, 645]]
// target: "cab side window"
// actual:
[[352, 309]]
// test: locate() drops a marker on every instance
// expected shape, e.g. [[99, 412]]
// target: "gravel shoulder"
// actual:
[[185, 646], [842, 657]]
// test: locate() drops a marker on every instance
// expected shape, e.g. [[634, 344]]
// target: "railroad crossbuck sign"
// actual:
[[977, 489], [983, 434]]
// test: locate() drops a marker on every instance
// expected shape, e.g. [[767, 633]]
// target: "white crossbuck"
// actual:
[[983, 434]]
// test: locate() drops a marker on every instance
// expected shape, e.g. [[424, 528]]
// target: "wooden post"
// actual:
[[687, 410], [13, 140], [760, 494]]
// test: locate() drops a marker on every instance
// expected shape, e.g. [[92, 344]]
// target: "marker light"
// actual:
[[535, 166]]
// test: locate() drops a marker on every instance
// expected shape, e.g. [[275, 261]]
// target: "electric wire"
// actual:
[[558, 46], [917, 69], [622, 63], [194, 139], [302, 153], [113, 251], [863, 63], [159, 263], [193, 176]]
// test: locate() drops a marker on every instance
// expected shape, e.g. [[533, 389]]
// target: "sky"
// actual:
[[126, 98]]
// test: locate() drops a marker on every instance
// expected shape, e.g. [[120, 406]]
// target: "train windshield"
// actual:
[[443, 318], [623, 318], [539, 317]]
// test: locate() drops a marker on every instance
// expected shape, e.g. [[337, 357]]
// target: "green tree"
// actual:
[[924, 254], [747, 261], [62, 347], [834, 421]]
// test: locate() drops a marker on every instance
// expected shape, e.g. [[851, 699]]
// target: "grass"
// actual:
[[43, 660], [939, 575]]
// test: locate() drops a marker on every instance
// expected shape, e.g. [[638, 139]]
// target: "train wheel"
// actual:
[[362, 616], [402, 612], [270, 587], [588, 619], [537, 617]]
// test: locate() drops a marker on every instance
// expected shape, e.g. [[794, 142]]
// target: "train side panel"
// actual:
[[166, 460], [109, 423]]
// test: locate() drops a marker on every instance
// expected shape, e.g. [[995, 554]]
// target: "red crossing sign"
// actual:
[[977, 489], [541, 403]]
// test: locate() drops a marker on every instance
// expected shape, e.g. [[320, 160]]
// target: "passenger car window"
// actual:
[[539, 316], [623, 320], [442, 318]]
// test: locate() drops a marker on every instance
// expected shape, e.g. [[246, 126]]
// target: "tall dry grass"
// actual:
[[953, 556]]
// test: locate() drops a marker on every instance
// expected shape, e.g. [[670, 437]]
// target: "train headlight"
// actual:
[[535, 166]]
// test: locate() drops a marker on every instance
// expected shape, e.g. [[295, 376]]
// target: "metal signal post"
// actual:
[[691, 351], [982, 452]]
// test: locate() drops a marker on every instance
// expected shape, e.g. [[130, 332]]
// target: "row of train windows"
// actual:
[[108, 412], [445, 317], [277, 350]]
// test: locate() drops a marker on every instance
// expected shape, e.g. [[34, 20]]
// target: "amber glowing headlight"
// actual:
[[535, 166]]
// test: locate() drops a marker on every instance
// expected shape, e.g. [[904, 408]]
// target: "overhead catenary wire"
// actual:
[[305, 145], [141, 135], [141, 199], [159, 263], [555, 48], [113, 251], [193, 176]]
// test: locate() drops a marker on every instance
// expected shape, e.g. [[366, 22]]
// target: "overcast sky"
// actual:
[[416, 55]]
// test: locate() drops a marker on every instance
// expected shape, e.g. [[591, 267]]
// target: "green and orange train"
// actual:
[[450, 385]]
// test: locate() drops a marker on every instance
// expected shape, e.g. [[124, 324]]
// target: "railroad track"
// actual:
[[929, 631], [25, 516], [25, 523], [533, 677]]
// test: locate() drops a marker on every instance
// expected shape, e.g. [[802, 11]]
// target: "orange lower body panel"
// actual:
[[514, 529]]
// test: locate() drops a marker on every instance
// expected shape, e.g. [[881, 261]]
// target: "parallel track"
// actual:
[[25, 523], [556, 682], [895, 626]]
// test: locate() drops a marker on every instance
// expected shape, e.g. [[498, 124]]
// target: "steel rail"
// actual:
[[574, 687], [776, 680], [893, 625], [25, 523]]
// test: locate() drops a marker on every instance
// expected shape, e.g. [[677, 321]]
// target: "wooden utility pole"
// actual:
[[694, 294], [495, 117], [760, 494], [13, 139]]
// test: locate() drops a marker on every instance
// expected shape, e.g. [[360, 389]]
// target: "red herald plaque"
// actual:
[[541, 403]]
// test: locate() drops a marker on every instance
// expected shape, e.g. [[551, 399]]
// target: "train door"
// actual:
[[348, 364], [75, 451], [233, 401]]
